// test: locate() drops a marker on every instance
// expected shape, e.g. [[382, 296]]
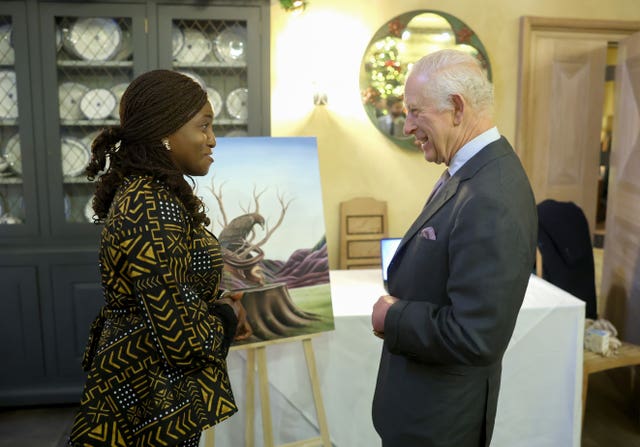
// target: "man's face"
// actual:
[[396, 109], [431, 128]]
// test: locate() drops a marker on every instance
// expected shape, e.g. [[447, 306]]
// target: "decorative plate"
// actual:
[[118, 91], [58, 38], [8, 94], [237, 103], [195, 77], [196, 47], [126, 46], [67, 206], [11, 153], [70, 95], [7, 54], [237, 133], [93, 39], [87, 140], [230, 45], [216, 100], [177, 40], [75, 157], [98, 103], [88, 210]]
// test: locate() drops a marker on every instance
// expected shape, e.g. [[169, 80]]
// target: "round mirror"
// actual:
[[389, 57]]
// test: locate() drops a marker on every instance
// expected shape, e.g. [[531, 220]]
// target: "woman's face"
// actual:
[[192, 145]]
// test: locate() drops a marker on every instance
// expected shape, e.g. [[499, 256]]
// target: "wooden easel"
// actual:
[[259, 350]]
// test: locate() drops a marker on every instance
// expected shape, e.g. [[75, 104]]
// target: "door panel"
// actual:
[[568, 82], [621, 263]]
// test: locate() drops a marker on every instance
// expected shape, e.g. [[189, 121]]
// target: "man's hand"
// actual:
[[380, 309]]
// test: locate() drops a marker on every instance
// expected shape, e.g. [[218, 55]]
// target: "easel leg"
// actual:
[[209, 436], [249, 427], [267, 429], [317, 396]]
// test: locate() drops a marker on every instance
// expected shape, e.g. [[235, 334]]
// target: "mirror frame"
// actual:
[[394, 28]]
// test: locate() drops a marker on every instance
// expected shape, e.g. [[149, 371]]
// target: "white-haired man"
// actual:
[[459, 276]]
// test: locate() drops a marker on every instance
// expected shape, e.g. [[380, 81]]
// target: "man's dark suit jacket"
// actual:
[[460, 284]]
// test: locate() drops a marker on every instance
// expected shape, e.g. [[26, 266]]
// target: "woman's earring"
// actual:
[[166, 144]]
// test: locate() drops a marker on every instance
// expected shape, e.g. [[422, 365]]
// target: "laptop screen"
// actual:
[[388, 247]]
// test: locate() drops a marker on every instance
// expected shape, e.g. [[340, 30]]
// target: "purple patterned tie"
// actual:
[[441, 181]]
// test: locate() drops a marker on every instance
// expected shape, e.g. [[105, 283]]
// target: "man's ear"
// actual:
[[458, 108]]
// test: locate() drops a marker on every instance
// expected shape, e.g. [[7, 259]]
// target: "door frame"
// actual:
[[610, 30]]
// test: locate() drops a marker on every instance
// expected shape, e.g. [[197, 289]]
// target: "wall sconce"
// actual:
[[294, 6], [319, 95]]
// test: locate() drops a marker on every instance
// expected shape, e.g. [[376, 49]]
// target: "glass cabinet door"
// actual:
[[95, 57], [217, 47], [18, 210]]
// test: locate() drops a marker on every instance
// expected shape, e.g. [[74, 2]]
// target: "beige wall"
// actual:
[[323, 47]]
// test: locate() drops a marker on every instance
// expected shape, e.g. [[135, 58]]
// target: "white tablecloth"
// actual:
[[540, 397]]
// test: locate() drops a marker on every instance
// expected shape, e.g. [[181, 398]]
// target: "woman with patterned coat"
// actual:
[[157, 351]]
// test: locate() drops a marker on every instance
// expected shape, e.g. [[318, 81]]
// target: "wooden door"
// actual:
[[621, 263], [568, 82]]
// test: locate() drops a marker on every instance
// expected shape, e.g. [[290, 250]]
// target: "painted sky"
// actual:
[[288, 166]]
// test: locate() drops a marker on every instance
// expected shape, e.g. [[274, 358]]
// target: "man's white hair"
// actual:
[[450, 72]]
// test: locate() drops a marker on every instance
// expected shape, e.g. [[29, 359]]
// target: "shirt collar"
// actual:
[[471, 148]]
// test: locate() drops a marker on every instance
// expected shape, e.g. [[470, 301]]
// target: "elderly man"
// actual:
[[459, 276]]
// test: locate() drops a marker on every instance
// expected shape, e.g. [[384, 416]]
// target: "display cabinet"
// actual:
[[18, 206], [63, 69]]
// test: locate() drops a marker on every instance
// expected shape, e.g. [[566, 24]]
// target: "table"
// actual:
[[540, 397]]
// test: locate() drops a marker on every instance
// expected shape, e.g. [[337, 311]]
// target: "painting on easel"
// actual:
[[264, 200]]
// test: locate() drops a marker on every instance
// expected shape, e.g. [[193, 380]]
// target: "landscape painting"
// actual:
[[264, 200]]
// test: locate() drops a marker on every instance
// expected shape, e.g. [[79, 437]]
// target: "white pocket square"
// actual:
[[428, 233]]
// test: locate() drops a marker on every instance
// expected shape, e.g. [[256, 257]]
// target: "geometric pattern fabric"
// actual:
[[156, 352]]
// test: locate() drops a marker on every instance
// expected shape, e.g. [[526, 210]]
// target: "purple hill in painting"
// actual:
[[305, 267]]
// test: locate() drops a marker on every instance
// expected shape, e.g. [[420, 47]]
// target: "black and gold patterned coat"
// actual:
[[156, 353]]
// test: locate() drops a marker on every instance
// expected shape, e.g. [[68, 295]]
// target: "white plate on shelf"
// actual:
[[237, 133], [87, 140], [7, 54], [75, 156], [216, 100], [196, 47], [177, 40], [58, 38], [126, 46], [231, 45], [93, 39], [67, 206], [11, 153], [8, 95], [118, 91], [88, 210], [237, 103], [70, 95], [98, 103], [195, 77]]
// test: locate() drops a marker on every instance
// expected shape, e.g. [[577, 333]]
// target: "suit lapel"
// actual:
[[494, 150]]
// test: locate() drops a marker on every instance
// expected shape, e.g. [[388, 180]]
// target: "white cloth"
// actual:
[[540, 396]]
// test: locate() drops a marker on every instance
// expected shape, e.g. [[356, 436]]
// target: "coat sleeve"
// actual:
[[489, 267], [187, 331]]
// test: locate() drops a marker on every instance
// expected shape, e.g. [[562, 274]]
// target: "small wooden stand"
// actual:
[[259, 350]]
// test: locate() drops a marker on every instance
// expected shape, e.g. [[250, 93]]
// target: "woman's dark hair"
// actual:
[[154, 106]]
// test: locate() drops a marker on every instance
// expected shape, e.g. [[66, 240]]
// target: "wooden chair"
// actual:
[[363, 222], [627, 355]]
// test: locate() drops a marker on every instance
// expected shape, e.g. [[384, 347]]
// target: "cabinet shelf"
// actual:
[[94, 64], [242, 65], [89, 122], [8, 122], [11, 181]]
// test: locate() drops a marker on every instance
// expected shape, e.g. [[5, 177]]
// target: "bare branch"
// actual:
[[256, 198], [284, 205], [218, 196]]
